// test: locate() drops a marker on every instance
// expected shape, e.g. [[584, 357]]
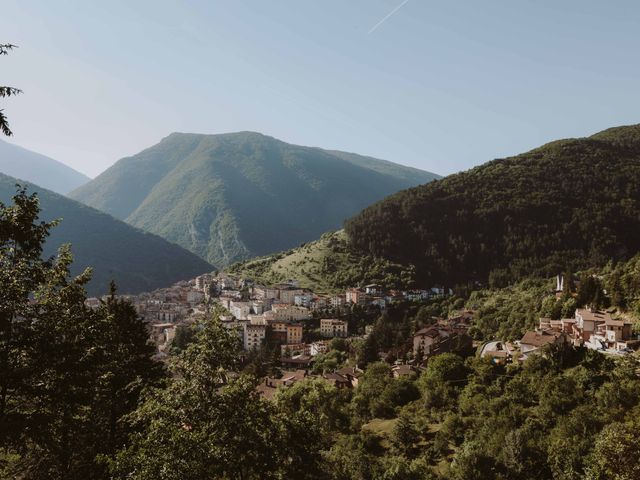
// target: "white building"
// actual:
[[318, 347], [240, 310]]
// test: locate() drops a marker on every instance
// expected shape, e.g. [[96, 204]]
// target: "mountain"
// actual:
[[570, 204], [26, 165], [234, 196], [136, 260]]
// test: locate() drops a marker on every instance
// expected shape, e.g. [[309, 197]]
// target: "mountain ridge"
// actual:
[[33, 167], [228, 197], [138, 261]]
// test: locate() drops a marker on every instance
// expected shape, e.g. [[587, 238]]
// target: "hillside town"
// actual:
[[276, 313], [300, 324]]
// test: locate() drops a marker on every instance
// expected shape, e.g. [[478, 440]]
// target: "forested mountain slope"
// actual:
[[136, 260], [570, 204], [234, 196]]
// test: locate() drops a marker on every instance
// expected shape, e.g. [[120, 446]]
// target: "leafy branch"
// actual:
[[5, 48]]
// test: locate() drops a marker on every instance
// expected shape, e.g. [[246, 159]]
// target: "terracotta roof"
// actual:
[[538, 339], [595, 316], [428, 332]]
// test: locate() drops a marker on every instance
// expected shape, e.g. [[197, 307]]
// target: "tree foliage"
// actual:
[[68, 374], [571, 204], [6, 92]]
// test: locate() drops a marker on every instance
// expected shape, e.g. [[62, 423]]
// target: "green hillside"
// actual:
[[32, 167], [570, 204], [325, 265], [138, 261], [235, 196]]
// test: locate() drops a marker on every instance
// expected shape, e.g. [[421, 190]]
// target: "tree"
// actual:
[[369, 399], [185, 334], [203, 426], [22, 271], [405, 436], [68, 374], [318, 398], [443, 379], [615, 453], [6, 92], [125, 368], [567, 284]]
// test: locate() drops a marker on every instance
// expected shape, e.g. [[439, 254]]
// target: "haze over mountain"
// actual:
[[33, 167], [569, 204], [233, 196], [136, 260]]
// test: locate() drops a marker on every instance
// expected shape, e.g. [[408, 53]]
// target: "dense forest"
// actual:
[[570, 204]]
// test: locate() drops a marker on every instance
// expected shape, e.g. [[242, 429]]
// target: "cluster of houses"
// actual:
[[166, 308], [444, 335], [591, 328], [276, 314]]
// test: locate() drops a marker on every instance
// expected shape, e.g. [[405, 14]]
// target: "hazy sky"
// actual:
[[439, 85]]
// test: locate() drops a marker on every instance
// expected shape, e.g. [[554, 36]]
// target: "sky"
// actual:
[[438, 85]]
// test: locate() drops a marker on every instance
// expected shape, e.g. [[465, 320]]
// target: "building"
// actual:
[[269, 387], [287, 333], [372, 289], [587, 321], [425, 339], [254, 336], [337, 301], [294, 350], [535, 340], [355, 296], [162, 334], [288, 313], [318, 348], [379, 302], [303, 300], [288, 295], [203, 282], [264, 293], [592, 328], [352, 374], [332, 327], [240, 310], [294, 334], [437, 339]]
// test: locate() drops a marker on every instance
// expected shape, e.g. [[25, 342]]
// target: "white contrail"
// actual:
[[373, 29]]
